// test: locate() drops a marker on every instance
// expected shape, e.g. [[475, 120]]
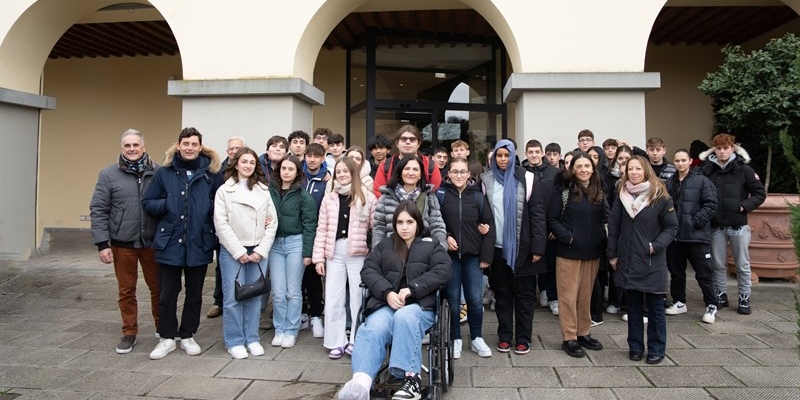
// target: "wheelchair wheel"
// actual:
[[445, 348]]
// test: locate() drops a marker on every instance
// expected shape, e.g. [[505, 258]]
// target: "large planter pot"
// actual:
[[771, 248]]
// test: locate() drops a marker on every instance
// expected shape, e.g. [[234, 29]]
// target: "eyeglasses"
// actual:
[[410, 139], [585, 140], [459, 172]]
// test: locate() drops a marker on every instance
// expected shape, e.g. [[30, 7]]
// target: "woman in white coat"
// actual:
[[246, 222]]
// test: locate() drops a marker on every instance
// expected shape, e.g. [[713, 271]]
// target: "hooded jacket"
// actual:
[[737, 185], [358, 224], [184, 204], [116, 207], [461, 217], [695, 200], [316, 185]]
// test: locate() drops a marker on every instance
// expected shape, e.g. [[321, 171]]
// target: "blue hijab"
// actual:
[[509, 181]]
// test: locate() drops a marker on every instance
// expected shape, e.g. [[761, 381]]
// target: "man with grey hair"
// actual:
[[124, 233], [235, 143]]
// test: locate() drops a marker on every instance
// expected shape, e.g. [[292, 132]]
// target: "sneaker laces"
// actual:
[[410, 385]]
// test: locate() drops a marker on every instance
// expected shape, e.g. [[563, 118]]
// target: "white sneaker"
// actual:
[[597, 323], [710, 316], [677, 308], [190, 346], [277, 340], [255, 349], [612, 309], [288, 341], [480, 347], [543, 298], [316, 327], [238, 352], [553, 307], [164, 347], [303, 321], [625, 318], [457, 345]]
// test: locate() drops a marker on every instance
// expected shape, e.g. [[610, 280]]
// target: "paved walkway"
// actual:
[[59, 324]]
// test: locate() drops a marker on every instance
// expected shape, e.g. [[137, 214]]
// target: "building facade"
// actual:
[[475, 69]]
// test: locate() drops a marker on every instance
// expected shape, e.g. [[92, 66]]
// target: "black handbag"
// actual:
[[250, 290]]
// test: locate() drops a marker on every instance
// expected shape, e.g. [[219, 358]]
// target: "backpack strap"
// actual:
[[479, 202], [440, 195], [387, 166]]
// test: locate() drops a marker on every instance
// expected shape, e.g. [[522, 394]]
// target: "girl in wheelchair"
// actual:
[[402, 274]]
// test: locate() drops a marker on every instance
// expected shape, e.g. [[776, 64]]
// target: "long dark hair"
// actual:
[[397, 172], [275, 178], [258, 171], [594, 191], [400, 248]]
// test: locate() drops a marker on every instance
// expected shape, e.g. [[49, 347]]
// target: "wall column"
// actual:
[[19, 159], [554, 107], [255, 109]]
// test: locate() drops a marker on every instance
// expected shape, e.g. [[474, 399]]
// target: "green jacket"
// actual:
[[297, 214]]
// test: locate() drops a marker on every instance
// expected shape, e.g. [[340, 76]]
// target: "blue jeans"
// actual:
[[403, 329], [656, 326], [239, 319], [739, 240], [466, 272], [286, 273]]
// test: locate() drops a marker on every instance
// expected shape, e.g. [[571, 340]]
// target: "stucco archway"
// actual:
[[332, 12]]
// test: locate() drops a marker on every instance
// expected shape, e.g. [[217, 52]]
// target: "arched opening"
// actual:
[[402, 67], [684, 45], [107, 68]]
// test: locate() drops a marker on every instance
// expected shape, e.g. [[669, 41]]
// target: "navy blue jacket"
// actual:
[[185, 234]]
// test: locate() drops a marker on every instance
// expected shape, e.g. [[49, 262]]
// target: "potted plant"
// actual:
[[756, 97]]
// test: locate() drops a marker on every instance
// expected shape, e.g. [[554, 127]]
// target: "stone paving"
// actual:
[[59, 325]]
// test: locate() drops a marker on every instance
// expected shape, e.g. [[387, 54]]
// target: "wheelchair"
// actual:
[[439, 369]]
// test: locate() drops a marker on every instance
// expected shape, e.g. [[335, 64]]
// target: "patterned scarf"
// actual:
[[635, 197], [137, 166], [402, 194]]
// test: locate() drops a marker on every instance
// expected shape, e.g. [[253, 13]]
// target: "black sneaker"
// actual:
[[126, 344], [744, 304], [722, 300], [410, 389]]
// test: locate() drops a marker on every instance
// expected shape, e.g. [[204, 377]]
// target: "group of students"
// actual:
[[305, 210]]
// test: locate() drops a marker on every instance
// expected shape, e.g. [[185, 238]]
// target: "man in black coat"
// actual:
[[739, 191]]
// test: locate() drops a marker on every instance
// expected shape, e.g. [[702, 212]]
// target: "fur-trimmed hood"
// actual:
[[214, 166], [741, 153]]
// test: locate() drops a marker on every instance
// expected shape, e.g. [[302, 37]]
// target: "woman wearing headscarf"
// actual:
[[519, 245]]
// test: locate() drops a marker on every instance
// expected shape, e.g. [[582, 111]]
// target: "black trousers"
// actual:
[[515, 299], [312, 292], [169, 283], [699, 255]]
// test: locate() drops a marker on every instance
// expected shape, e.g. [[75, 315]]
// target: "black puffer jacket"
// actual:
[[428, 267], [695, 200], [737, 186], [461, 217], [629, 240]]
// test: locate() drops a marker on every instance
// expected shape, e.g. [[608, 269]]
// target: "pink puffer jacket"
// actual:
[[360, 222]]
